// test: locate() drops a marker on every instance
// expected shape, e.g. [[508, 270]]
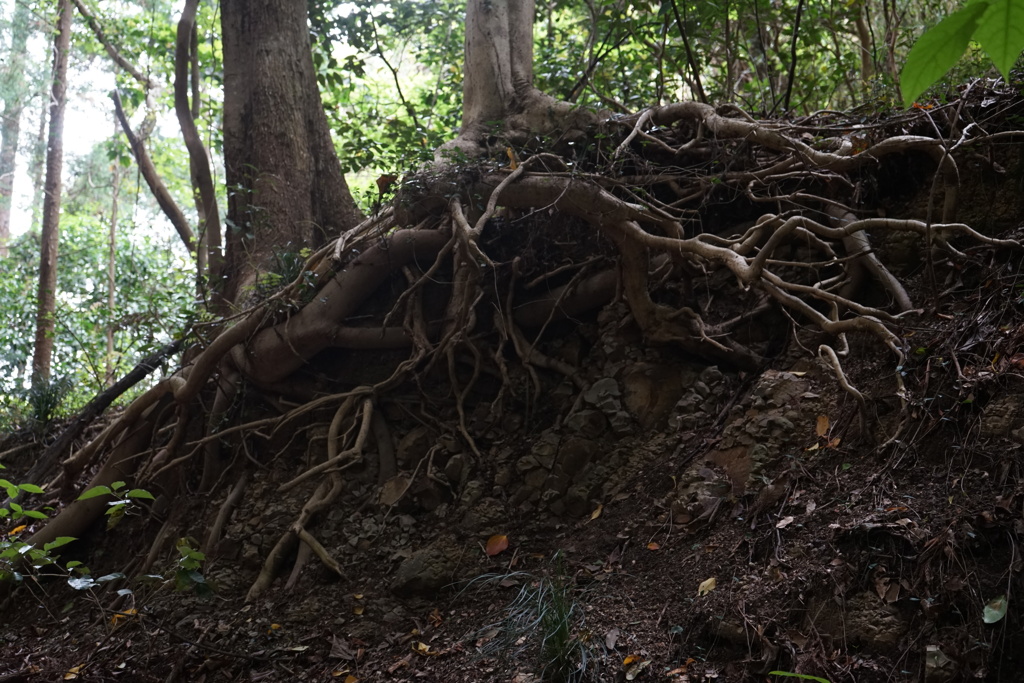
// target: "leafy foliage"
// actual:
[[122, 500], [997, 25], [153, 302]]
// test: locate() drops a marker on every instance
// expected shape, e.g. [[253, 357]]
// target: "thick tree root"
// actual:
[[455, 280]]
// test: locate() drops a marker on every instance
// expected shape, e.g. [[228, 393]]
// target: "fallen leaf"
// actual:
[[496, 544], [358, 610], [611, 638], [635, 670], [706, 586], [351, 679], [784, 522], [822, 427], [995, 610], [385, 182], [17, 529], [393, 489], [119, 616], [73, 672], [593, 515], [435, 618], [629, 660], [653, 546]]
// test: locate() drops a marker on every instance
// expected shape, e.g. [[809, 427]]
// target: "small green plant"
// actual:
[[122, 503], [16, 555], [187, 575], [545, 615], [45, 399]]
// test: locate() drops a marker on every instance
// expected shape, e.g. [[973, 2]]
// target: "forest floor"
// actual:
[[675, 521]]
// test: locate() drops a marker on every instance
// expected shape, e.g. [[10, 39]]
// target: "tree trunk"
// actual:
[[47, 296], [38, 159], [286, 190], [498, 96], [109, 364], [14, 104]]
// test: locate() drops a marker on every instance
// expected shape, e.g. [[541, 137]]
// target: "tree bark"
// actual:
[[210, 259], [498, 95], [47, 293], [14, 104], [286, 190]]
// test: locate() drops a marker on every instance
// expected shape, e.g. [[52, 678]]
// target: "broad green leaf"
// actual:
[[938, 50], [58, 542], [995, 610], [34, 514], [140, 493], [30, 488], [95, 491], [10, 488], [1001, 33]]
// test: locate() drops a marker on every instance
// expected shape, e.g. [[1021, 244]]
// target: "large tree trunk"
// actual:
[[285, 186], [498, 95], [47, 300], [14, 104]]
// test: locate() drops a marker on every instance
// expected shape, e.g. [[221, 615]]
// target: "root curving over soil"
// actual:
[[451, 319]]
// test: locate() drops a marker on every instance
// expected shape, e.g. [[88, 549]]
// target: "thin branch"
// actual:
[[394, 74], [792, 56], [111, 49], [689, 54], [156, 186]]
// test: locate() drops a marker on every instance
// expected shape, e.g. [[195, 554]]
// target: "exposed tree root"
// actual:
[[459, 283]]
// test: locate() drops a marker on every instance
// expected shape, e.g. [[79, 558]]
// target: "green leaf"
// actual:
[[34, 514], [10, 488], [140, 493], [805, 677], [95, 492], [938, 50], [81, 583], [1001, 33], [995, 610], [58, 542], [30, 488]]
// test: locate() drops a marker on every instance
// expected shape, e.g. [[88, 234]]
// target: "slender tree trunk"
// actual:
[[287, 190], [14, 104], [37, 162], [110, 366], [47, 301]]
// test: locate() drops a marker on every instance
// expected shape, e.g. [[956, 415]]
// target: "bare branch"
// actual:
[[156, 186]]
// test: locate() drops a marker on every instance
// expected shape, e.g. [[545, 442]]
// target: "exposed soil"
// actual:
[[694, 521]]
